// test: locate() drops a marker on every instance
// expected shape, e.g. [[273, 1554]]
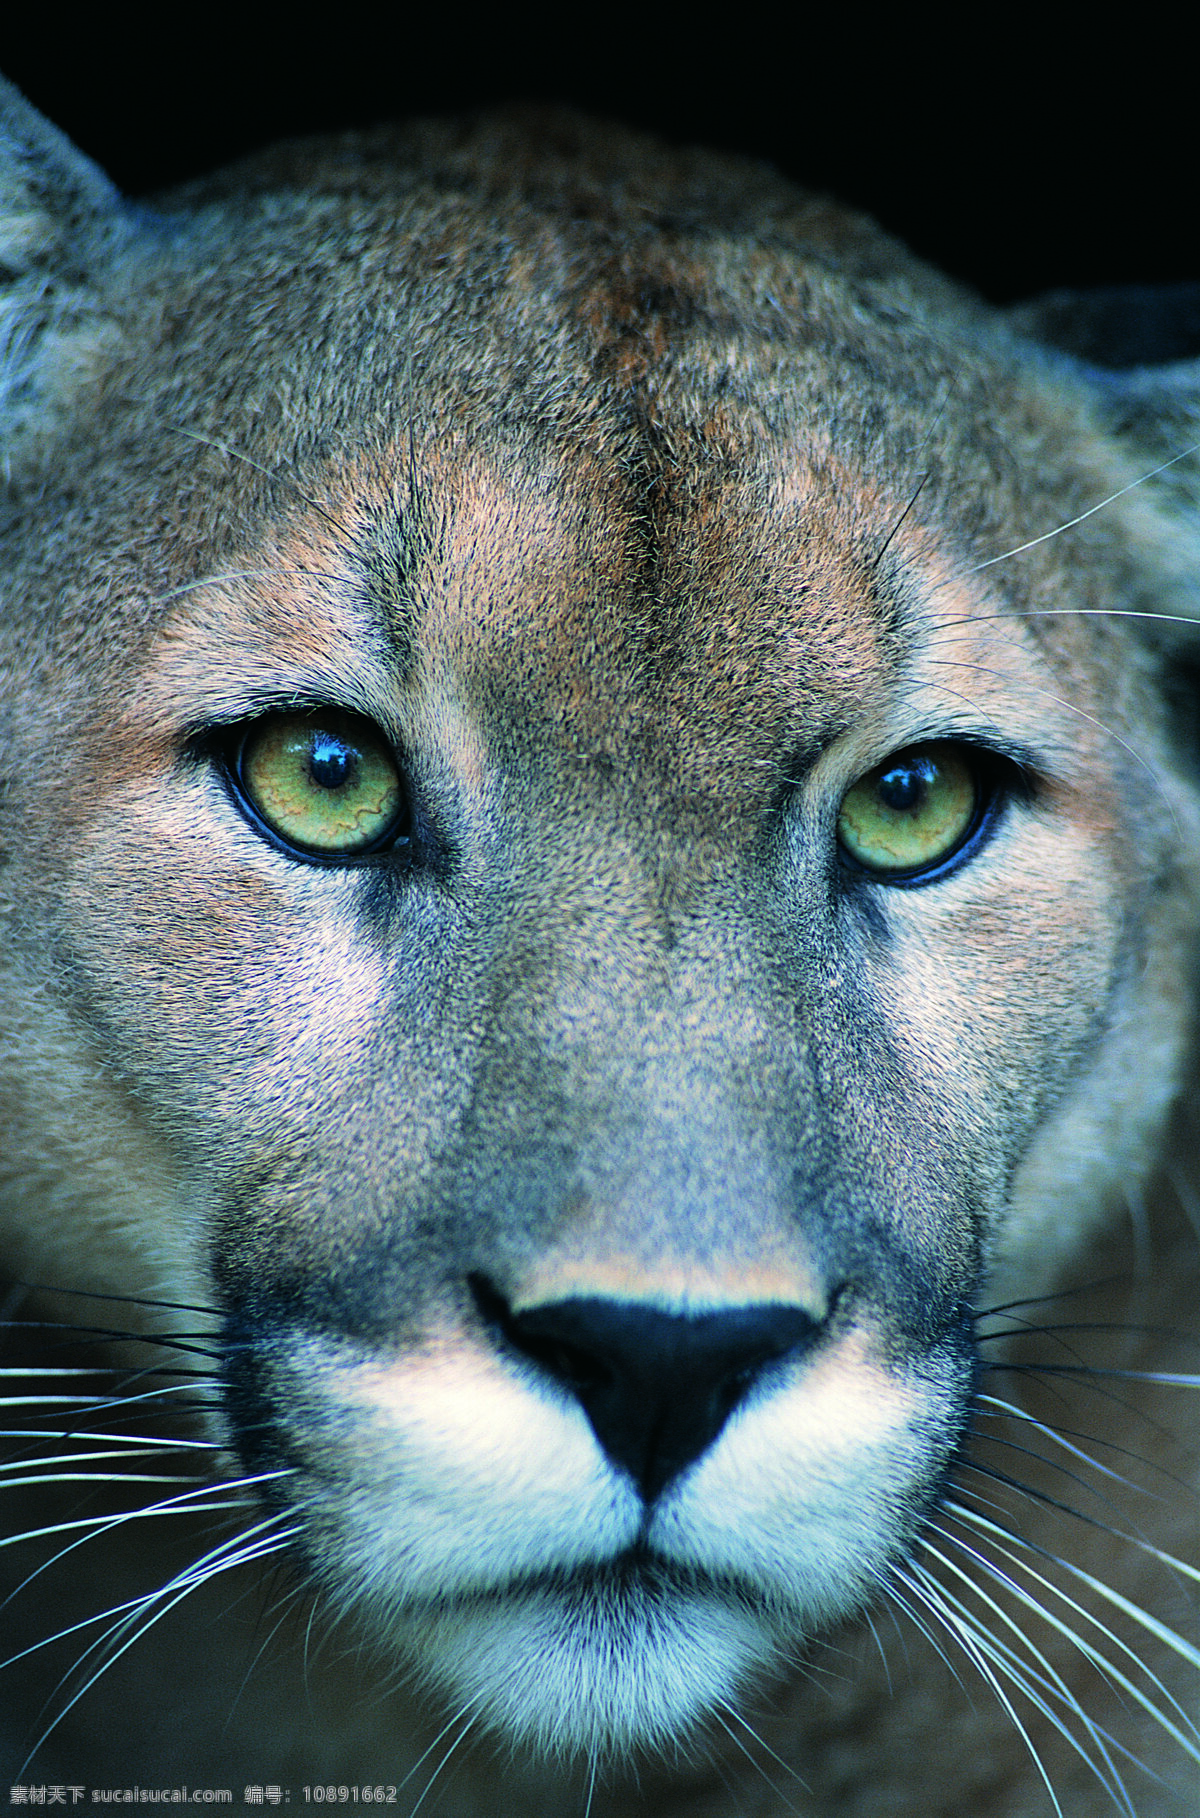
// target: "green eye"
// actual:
[[909, 815], [322, 781]]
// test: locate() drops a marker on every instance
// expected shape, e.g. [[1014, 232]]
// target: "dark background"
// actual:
[[1014, 157]]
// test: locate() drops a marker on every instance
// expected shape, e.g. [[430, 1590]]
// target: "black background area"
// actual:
[[1014, 154]]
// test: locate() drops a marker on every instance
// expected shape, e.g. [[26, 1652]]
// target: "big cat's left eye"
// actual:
[[911, 816], [323, 782]]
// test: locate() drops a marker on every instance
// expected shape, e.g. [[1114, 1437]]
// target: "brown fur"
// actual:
[[646, 504]]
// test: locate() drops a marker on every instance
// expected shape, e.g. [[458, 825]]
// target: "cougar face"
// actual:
[[597, 859]]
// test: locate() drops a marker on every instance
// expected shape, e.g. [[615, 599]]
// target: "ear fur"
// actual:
[[1138, 347], [61, 225], [1117, 326]]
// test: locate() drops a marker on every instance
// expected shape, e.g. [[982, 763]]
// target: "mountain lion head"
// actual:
[[599, 888]]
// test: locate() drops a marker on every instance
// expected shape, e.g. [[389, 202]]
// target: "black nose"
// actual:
[[657, 1387]]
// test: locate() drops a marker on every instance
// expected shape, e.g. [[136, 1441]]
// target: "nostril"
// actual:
[[657, 1387]]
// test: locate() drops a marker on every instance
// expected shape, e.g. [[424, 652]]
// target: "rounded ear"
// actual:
[[1138, 348], [61, 226], [1117, 326], [50, 194]]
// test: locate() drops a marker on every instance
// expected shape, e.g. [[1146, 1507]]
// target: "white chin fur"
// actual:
[[602, 1671]]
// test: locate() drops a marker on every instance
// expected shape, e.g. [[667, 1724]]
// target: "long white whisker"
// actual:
[[902, 1593], [132, 1604], [1046, 1675], [731, 1720], [110, 1399], [1080, 713], [41, 1478], [982, 1651], [589, 1797], [160, 1603], [121, 1445], [271, 473], [99, 1524], [1091, 511], [1151, 1624], [1010, 1410], [1191, 1745], [135, 1632], [1068, 612], [290, 570], [1036, 1678], [86, 1528], [467, 1725]]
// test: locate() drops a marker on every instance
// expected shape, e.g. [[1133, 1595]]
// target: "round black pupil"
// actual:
[[331, 764], [903, 789]]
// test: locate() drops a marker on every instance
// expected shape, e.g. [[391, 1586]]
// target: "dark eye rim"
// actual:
[[228, 752], [998, 779]]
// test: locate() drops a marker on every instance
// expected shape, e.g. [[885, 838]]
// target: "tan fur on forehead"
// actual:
[[532, 600], [289, 616], [681, 619]]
